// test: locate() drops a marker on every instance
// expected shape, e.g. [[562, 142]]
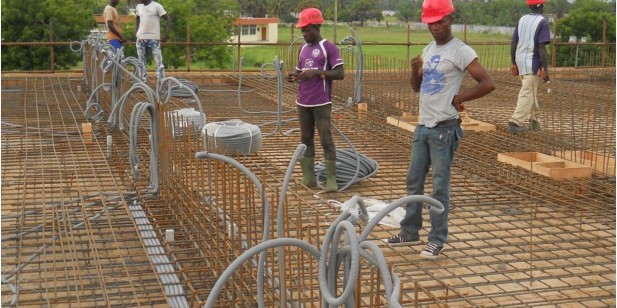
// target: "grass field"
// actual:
[[255, 56]]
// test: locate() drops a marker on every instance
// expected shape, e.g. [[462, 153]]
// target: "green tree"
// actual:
[[207, 21], [33, 21], [302, 4], [586, 19], [409, 10], [253, 8], [559, 8], [362, 10]]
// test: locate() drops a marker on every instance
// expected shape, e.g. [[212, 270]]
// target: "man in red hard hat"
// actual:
[[530, 62], [437, 74], [319, 63]]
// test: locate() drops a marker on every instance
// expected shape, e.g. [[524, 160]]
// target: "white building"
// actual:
[[251, 30]]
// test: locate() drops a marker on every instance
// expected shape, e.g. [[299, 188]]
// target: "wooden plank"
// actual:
[[545, 165], [409, 122], [598, 162], [86, 129]]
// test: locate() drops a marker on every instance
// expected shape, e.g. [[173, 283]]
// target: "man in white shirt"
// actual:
[[148, 27]]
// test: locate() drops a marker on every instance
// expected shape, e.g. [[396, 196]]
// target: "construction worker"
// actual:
[[319, 63], [437, 75], [529, 61], [114, 26], [148, 33]]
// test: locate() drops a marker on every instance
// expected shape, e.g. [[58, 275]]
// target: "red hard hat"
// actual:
[[535, 2], [435, 10], [309, 16]]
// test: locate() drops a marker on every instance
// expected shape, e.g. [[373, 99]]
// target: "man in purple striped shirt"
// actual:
[[530, 62], [319, 63]]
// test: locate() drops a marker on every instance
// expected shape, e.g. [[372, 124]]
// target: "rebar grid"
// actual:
[[67, 238], [517, 239]]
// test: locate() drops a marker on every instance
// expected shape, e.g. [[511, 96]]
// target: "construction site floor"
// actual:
[[516, 239]]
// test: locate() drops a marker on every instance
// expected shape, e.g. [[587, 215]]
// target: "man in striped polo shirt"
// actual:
[[530, 62]]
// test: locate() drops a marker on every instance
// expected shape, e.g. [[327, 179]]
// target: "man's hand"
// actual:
[[292, 77], [513, 70], [544, 75], [308, 74], [416, 65], [164, 38], [459, 106]]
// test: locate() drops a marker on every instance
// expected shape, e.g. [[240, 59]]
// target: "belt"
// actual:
[[446, 123]]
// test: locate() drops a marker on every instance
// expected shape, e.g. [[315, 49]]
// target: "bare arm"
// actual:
[[485, 84], [110, 26], [167, 27], [136, 25], [513, 67], [338, 73], [544, 62]]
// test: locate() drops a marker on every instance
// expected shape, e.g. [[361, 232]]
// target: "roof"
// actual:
[[255, 21], [123, 18]]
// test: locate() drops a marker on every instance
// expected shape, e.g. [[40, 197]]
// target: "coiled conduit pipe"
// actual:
[[231, 137]]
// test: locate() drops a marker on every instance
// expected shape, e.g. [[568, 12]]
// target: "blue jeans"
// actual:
[[430, 147], [155, 47], [115, 44]]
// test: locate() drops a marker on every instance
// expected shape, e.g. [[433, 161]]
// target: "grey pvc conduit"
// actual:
[[163, 94], [278, 68], [265, 205], [262, 256], [354, 40], [331, 257], [138, 111]]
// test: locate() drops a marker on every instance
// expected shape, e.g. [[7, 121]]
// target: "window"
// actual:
[[249, 30]]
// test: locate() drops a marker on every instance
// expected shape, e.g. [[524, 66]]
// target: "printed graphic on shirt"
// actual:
[[433, 80], [316, 53], [309, 62]]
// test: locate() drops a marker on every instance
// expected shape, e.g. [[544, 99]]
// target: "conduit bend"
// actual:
[[138, 111], [331, 257], [278, 68], [265, 205], [164, 94], [354, 40]]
